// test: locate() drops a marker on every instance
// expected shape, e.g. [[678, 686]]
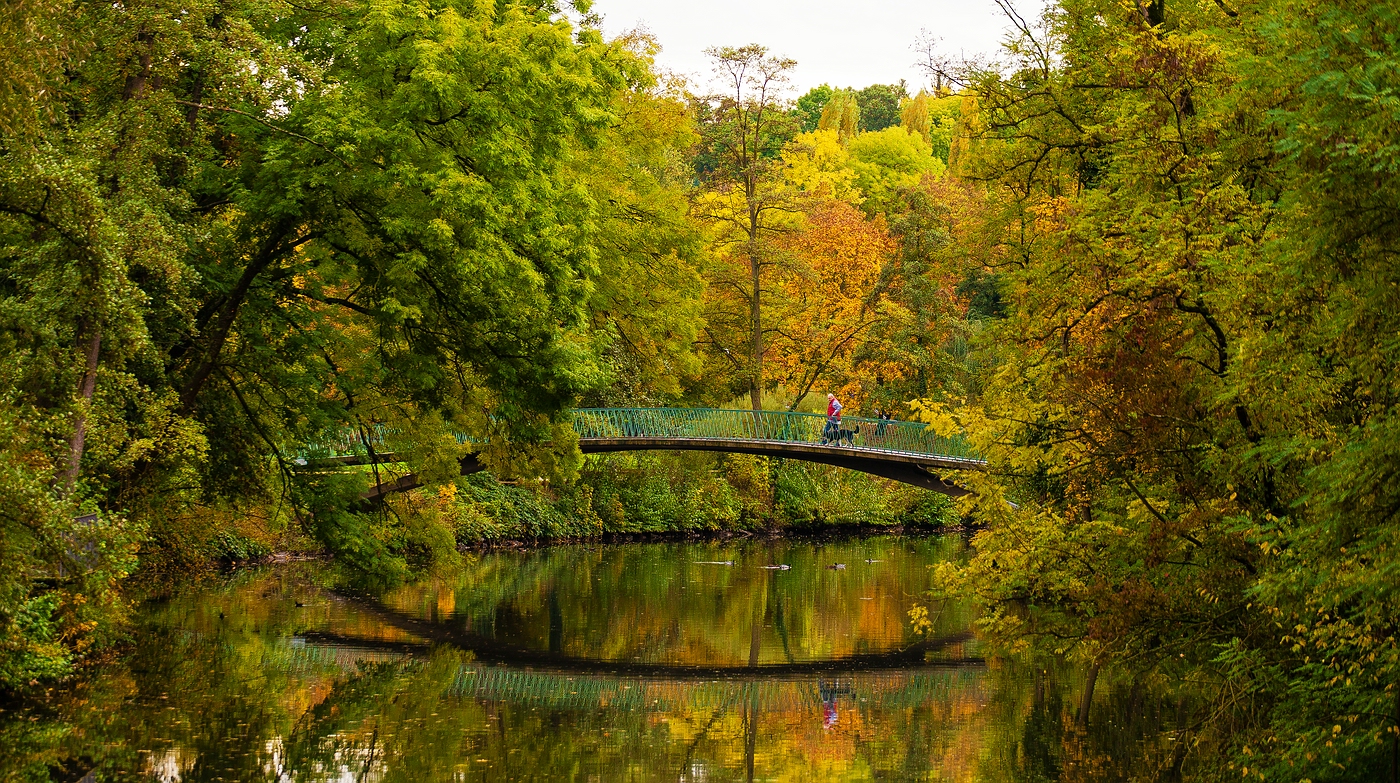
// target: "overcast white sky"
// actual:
[[844, 44]]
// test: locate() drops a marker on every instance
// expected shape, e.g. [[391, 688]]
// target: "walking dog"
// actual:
[[837, 435]]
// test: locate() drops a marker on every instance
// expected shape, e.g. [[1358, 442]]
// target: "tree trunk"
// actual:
[[136, 82], [756, 349], [1086, 700], [85, 391]]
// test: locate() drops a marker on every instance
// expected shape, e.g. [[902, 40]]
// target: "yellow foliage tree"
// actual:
[[841, 114], [819, 165]]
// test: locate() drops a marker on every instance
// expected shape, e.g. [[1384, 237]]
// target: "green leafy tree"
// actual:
[[808, 108], [887, 161], [880, 104], [232, 227], [944, 118], [646, 300]]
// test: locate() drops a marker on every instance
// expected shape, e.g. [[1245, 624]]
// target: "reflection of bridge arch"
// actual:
[[929, 670], [903, 451], [767, 693], [658, 688], [491, 650]]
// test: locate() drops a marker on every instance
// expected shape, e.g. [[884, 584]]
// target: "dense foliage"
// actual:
[[1192, 397], [229, 228]]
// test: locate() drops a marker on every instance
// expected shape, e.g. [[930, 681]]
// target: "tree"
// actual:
[[879, 105], [819, 165], [887, 161], [809, 107], [935, 225], [841, 114], [647, 294], [945, 125], [229, 229], [1192, 396], [914, 115], [744, 130], [831, 299]]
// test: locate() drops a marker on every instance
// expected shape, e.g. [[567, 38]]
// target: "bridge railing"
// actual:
[[706, 424], [780, 426]]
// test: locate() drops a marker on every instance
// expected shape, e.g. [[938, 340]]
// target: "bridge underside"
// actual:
[[913, 469]]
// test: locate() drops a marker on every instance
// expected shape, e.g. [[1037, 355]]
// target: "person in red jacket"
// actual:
[[833, 419]]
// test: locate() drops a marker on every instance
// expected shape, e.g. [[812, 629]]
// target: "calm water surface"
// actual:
[[632, 662]]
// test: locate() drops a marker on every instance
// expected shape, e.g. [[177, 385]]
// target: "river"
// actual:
[[711, 661]]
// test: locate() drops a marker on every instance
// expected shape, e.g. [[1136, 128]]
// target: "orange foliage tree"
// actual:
[[830, 299]]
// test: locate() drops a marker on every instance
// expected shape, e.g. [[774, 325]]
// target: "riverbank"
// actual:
[[822, 535], [825, 534]]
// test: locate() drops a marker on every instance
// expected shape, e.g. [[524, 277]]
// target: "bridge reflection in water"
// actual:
[[556, 689], [682, 661], [908, 452], [511, 669]]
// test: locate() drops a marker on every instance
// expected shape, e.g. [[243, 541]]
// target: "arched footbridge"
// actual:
[[902, 451]]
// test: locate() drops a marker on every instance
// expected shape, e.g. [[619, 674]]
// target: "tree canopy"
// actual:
[[232, 229]]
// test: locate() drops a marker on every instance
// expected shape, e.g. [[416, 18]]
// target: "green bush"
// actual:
[[30, 648], [233, 546], [61, 562]]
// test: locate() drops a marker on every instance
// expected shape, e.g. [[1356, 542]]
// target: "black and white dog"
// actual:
[[836, 434]]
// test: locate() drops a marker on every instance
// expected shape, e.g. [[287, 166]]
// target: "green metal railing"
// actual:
[[901, 437], [777, 426]]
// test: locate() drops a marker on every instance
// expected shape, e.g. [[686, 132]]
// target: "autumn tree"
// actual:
[[744, 201], [818, 166], [841, 114], [1192, 396], [831, 298]]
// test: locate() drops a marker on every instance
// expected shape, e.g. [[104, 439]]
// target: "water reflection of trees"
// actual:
[[222, 684]]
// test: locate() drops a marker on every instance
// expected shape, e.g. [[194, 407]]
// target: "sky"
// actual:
[[845, 44]]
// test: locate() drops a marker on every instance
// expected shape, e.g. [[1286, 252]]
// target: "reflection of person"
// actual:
[[828, 692]]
